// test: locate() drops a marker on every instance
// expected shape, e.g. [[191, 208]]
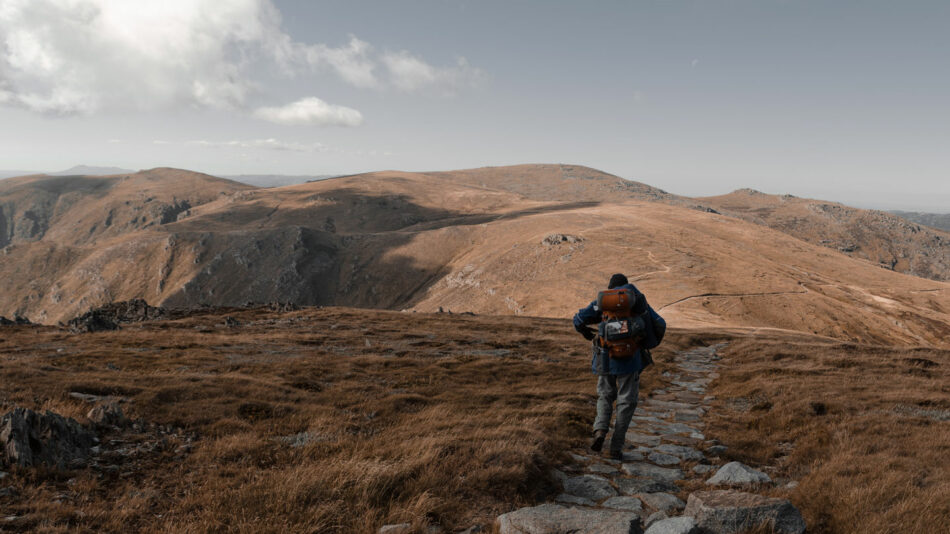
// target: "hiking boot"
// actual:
[[616, 455], [598, 442]]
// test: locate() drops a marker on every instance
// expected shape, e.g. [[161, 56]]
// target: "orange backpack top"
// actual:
[[623, 327]]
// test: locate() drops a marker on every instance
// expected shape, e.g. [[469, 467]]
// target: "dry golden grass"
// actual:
[[428, 419], [446, 419], [865, 429]]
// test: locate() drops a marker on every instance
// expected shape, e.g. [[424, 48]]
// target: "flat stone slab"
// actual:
[[680, 451], [663, 459], [631, 504], [737, 473], [591, 487], [643, 439], [662, 502], [674, 525], [556, 519], [574, 499], [645, 470], [602, 469], [732, 512], [633, 486]]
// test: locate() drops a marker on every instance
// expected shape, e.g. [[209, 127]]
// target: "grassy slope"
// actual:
[[448, 419]]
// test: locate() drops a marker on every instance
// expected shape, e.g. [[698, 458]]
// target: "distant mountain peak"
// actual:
[[91, 170]]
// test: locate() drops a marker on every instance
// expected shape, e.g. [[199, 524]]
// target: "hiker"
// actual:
[[627, 329]]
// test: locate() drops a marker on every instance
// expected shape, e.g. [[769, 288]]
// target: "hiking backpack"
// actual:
[[624, 324]]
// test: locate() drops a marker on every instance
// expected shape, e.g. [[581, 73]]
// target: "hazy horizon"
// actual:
[[843, 101]]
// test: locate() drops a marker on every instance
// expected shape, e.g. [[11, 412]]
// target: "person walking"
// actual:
[[627, 328]]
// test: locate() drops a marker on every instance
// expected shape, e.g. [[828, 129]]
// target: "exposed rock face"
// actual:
[[556, 519], [737, 473], [729, 512], [29, 438], [109, 317], [107, 414], [557, 239]]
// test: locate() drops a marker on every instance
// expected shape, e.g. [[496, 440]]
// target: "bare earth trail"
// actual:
[[661, 484]]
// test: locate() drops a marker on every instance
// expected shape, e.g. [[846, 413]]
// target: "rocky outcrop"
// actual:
[[109, 317], [30, 438], [107, 414]]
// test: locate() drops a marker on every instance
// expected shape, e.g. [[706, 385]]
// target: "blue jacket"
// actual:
[[592, 315]]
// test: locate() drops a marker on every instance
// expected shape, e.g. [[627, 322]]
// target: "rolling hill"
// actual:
[[527, 240]]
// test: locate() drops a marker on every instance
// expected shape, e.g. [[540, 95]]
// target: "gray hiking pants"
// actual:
[[624, 389]]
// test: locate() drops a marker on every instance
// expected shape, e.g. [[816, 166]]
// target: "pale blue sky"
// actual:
[[839, 100]]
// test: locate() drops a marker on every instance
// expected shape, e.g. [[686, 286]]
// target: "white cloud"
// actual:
[[82, 56], [410, 73], [312, 111], [267, 144]]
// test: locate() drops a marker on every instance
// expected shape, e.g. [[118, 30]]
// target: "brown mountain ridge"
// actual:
[[526, 240]]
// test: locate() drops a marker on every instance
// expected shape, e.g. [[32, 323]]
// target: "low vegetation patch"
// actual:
[[864, 430], [318, 420]]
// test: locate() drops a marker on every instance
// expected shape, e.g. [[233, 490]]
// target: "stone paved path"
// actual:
[[665, 446]]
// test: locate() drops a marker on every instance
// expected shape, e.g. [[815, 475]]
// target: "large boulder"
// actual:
[[737, 473], [556, 519], [28, 438], [731, 512]]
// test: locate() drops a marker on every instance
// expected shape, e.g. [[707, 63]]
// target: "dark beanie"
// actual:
[[617, 280]]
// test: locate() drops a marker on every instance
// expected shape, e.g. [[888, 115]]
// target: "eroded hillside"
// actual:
[[879, 237], [481, 241]]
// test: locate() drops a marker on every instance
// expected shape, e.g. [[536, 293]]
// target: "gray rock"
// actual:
[[555, 519], [579, 458], [645, 470], [716, 450], [663, 459], [602, 469], [631, 504], [731, 512], [632, 456], [28, 438], [474, 529], [674, 525], [558, 475], [654, 517], [643, 439], [737, 473], [107, 414], [591, 487], [663, 502], [3, 474], [702, 469], [680, 428], [680, 451], [574, 499], [633, 486], [401, 528]]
